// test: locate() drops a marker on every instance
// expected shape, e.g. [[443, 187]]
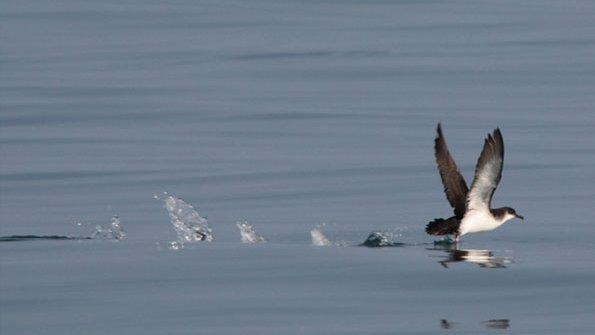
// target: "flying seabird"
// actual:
[[471, 206]]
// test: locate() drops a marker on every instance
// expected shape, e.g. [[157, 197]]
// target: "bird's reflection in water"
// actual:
[[445, 324], [492, 324], [497, 324], [483, 258]]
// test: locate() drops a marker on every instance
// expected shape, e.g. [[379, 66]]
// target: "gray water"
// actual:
[[290, 115]]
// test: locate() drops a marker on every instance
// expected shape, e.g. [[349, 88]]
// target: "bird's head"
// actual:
[[509, 213]]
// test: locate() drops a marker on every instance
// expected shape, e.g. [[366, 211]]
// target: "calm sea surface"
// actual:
[[290, 114]]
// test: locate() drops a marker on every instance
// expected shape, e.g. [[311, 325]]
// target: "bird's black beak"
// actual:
[[520, 217]]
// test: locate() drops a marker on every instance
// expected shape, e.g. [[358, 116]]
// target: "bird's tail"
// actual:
[[443, 227]]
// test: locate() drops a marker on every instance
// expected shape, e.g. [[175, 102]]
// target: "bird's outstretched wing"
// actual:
[[455, 186], [488, 172]]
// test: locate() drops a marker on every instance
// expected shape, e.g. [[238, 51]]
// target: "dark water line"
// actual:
[[22, 238]]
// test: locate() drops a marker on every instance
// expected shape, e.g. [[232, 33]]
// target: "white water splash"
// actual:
[[189, 225], [113, 231], [318, 238], [248, 234], [175, 245], [381, 239]]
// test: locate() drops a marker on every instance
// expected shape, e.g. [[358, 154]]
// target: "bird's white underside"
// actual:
[[478, 217], [478, 220]]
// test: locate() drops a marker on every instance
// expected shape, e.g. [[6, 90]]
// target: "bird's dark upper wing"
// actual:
[[454, 184], [488, 172]]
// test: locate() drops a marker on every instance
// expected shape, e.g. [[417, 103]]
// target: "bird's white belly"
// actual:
[[477, 221]]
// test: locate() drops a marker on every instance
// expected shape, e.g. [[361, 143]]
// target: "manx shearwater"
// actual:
[[472, 212]]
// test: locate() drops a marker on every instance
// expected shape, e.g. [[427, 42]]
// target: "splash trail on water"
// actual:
[[113, 231], [318, 238], [189, 225], [248, 234], [381, 240]]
